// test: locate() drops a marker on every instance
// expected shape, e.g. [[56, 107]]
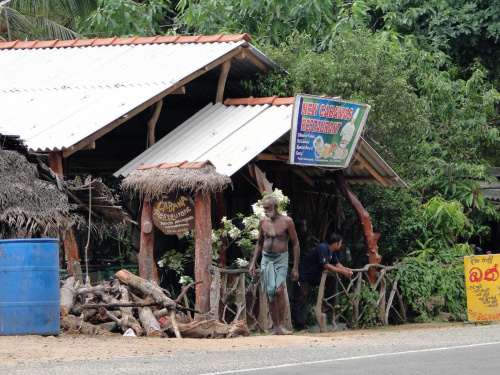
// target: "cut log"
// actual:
[[212, 329], [147, 287], [108, 326], [68, 294], [149, 322], [127, 320], [74, 325]]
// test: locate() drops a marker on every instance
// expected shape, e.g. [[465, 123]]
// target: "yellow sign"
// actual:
[[482, 283]]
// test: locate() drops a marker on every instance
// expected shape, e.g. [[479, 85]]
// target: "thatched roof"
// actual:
[[29, 206], [34, 201], [153, 181], [106, 215]]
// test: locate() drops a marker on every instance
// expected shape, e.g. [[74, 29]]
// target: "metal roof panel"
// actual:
[[230, 136], [56, 97]]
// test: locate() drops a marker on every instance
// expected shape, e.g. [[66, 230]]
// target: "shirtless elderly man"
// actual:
[[274, 232]]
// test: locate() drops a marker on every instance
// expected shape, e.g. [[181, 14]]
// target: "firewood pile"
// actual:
[[133, 306]]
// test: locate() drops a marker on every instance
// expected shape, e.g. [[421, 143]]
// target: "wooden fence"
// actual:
[[232, 299]]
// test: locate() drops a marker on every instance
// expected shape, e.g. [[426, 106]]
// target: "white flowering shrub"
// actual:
[[241, 231]]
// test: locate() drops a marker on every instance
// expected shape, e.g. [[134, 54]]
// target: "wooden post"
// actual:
[[370, 237], [203, 251], [288, 313], [147, 266], [263, 310], [71, 251], [70, 246], [220, 212], [215, 292], [382, 307], [356, 300], [222, 81], [320, 316], [152, 122], [241, 297], [55, 163]]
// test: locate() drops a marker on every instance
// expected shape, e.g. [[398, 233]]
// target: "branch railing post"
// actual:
[[219, 295], [353, 294]]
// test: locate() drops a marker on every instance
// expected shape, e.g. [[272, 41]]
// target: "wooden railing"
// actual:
[[230, 295], [232, 299], [352, 292]]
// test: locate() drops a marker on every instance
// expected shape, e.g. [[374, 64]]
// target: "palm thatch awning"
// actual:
[[95, 196], [34, 201], [153, 181], [29, 206]]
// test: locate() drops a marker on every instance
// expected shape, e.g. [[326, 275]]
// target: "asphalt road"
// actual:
[[467, 350]]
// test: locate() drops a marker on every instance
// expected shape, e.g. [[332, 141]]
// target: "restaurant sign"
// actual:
[[174, 213], [482, 284], [325, 131]]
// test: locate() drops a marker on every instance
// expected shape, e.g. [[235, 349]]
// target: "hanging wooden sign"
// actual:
[[174, 213]]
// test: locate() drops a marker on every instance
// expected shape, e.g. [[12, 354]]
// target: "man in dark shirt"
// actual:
[[322, 258]]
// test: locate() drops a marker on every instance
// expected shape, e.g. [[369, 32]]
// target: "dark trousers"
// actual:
[[300, 292]]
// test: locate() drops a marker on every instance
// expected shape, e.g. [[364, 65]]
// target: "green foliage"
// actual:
[[45, 19], [463, 29], [176, 260], [270, 22], [360, 67], [124, 246], [370, 316], [126, 18], [432, 277], [432, 286]]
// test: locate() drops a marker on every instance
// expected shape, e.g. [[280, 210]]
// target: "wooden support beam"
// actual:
[[356, 166], [147, 265], [71, 251], [253, 59], [222, 81], [370, 169], [179, 91], [152, 122], [272, 157], [55, 163], [203, 251], [90, 146], [304, 176], [260, 178]]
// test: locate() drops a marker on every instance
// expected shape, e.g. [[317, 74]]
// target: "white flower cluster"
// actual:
[[185, 280], [283, 199], [183, 234], [254, 234], [251, 222], [242, 262], [258, 210], [234, 232], [215, 238], [161, 262]]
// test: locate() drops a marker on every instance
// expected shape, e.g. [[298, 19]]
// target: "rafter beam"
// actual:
[[272, 157], [370, 169], [304, 176], [222, 81]]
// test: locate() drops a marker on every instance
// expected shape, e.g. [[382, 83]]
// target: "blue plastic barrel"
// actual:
[[29, 287]]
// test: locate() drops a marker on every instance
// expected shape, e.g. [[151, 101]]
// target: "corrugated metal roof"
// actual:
[[230, 136], [55, 94]]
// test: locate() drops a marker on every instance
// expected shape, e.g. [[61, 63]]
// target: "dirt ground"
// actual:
[[36, 349]]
